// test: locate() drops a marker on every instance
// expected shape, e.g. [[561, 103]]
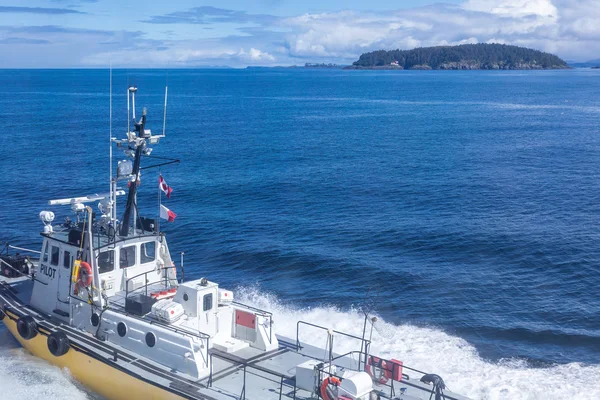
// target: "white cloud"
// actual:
[[182, 56], [570, 29], [564, 27], [513, 8], [256, 55]]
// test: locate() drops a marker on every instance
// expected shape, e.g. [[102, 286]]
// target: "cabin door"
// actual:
[[64, 280]]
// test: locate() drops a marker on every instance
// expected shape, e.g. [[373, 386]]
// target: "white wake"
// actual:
[[434, 351]]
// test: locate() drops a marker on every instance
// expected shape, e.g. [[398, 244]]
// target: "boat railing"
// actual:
[[365, 343], [390, 368], [163, 279], [244, 365], [258, 312], [10, 246]]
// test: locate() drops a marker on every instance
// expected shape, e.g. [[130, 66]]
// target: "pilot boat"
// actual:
[[105, 299]]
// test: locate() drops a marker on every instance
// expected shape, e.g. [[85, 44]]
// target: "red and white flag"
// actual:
[[167, 214], [162, 184]]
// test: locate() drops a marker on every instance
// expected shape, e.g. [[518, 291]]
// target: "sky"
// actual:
[[237, 33]]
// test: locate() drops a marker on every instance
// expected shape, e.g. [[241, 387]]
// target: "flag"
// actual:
[[162, 184], [167, 214]]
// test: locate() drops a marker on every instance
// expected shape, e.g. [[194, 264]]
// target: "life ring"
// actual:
[[326, 393], [84, 277], [58, 344], [27, 327], [376, 368]]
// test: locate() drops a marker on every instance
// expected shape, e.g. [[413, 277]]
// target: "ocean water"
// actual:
[[462, 206]]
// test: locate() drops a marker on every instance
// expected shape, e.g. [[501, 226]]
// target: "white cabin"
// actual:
[[135, 300]]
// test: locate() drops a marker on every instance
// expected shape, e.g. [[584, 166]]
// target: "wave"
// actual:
[[432, 350], [28, 377], [490, 104]]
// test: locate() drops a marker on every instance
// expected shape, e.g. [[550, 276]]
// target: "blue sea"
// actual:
[[462, 207]]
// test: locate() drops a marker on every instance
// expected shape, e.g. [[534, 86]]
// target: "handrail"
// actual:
[[146, 283], [393, 370], [245, 364], [22, 249], [365, 343], [263, 312], [173, 328]]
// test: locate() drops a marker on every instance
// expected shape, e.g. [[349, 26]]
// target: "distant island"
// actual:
[[464, 56], [586, 64], [322, 65]]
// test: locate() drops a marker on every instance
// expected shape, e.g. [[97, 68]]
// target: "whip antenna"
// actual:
[[165, 111], [110, 137]]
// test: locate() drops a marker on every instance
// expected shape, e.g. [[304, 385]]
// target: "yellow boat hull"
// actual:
[[96, 375]]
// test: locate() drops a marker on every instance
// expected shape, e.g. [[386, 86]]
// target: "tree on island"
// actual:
[[466, 56]]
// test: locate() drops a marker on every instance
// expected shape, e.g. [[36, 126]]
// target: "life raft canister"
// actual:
[[84, 276], [326, 392], [377, 369]]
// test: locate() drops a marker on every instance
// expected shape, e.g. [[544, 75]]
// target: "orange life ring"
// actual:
[[331, 380], [84, 277], [376, 368]]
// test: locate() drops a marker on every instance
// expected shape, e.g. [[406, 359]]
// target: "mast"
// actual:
[[139, 143], [136, 146], [110, 168], [129, 207]]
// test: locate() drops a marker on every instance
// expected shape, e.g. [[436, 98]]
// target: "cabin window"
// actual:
[[147, 252], [208, 298], [55, 254], [46, 253], [67, 259], [127, 257], [106, 261]]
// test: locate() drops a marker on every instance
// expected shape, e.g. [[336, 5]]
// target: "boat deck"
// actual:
[[248, 373]]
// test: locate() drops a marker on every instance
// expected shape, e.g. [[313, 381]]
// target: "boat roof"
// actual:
[[71, 235]]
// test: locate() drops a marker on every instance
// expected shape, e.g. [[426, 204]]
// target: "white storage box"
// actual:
[[225, 296], [307, 375], [167, 311]]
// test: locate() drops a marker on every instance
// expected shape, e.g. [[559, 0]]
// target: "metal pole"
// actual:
[[110, 139], [330, 352], [159, 201], [92, 258], [182, 270], [114, 200], [165, 112], [133, 106], [135, 210], [244, 387], [280, 387], [128, 114]]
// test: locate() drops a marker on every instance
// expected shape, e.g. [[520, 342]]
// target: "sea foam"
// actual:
[[432, 350]]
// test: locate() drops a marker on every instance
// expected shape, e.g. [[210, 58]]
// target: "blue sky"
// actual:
[[186, 33]]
